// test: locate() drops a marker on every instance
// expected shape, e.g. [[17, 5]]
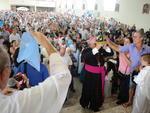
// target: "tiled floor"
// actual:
[[72, 104]]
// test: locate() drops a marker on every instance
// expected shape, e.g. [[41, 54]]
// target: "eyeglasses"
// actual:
[[143, 66], [134, 37], [9, 66]]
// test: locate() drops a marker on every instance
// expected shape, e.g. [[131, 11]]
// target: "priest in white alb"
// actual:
[[47, 97]]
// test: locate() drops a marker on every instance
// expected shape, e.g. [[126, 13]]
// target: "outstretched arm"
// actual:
[[48, 96], [112, 45], [41, 38]]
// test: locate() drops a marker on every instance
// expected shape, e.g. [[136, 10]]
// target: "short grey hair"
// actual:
[[141, 32], [4, 59]]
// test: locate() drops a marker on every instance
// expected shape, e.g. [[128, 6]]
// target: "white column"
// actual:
[[35, 5]]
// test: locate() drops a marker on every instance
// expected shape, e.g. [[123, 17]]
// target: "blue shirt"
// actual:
[[135, 55], [34, 76], [69, 42], [1, 23]]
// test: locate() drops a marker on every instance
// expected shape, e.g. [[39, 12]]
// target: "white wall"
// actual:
[[39, 3], [4, 5], [78, 5], [130, 11], [61, 5]]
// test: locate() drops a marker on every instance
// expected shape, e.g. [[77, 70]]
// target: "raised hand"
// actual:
[[42, 40], [98, 46]]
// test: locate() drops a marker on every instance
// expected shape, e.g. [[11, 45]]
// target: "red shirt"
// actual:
[[8, 29]]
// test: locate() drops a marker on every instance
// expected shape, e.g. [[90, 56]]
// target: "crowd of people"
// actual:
[[45, 49]]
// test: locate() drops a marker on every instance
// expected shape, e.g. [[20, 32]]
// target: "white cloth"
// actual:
[[142, 77], [146, 85], [44, 52], [95, 51], [108, 84], [107, 49], [142, 95], [72, 47], [66, 60], [80, 66], [85, 34], [14, 37], [47, 97], [76, 54]]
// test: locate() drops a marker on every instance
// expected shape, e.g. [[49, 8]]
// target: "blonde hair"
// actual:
[[146, 58]]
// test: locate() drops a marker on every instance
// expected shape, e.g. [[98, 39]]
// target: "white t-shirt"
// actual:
[[14, 37]]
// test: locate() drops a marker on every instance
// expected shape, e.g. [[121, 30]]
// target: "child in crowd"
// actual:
[[142, 94]]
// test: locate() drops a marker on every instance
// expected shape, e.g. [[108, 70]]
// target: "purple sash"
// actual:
[[97, 70]]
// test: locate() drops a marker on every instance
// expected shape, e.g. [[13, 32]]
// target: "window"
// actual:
[[117, 6], [83, 7], [146, 8], [109, 5], [96, 7]]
